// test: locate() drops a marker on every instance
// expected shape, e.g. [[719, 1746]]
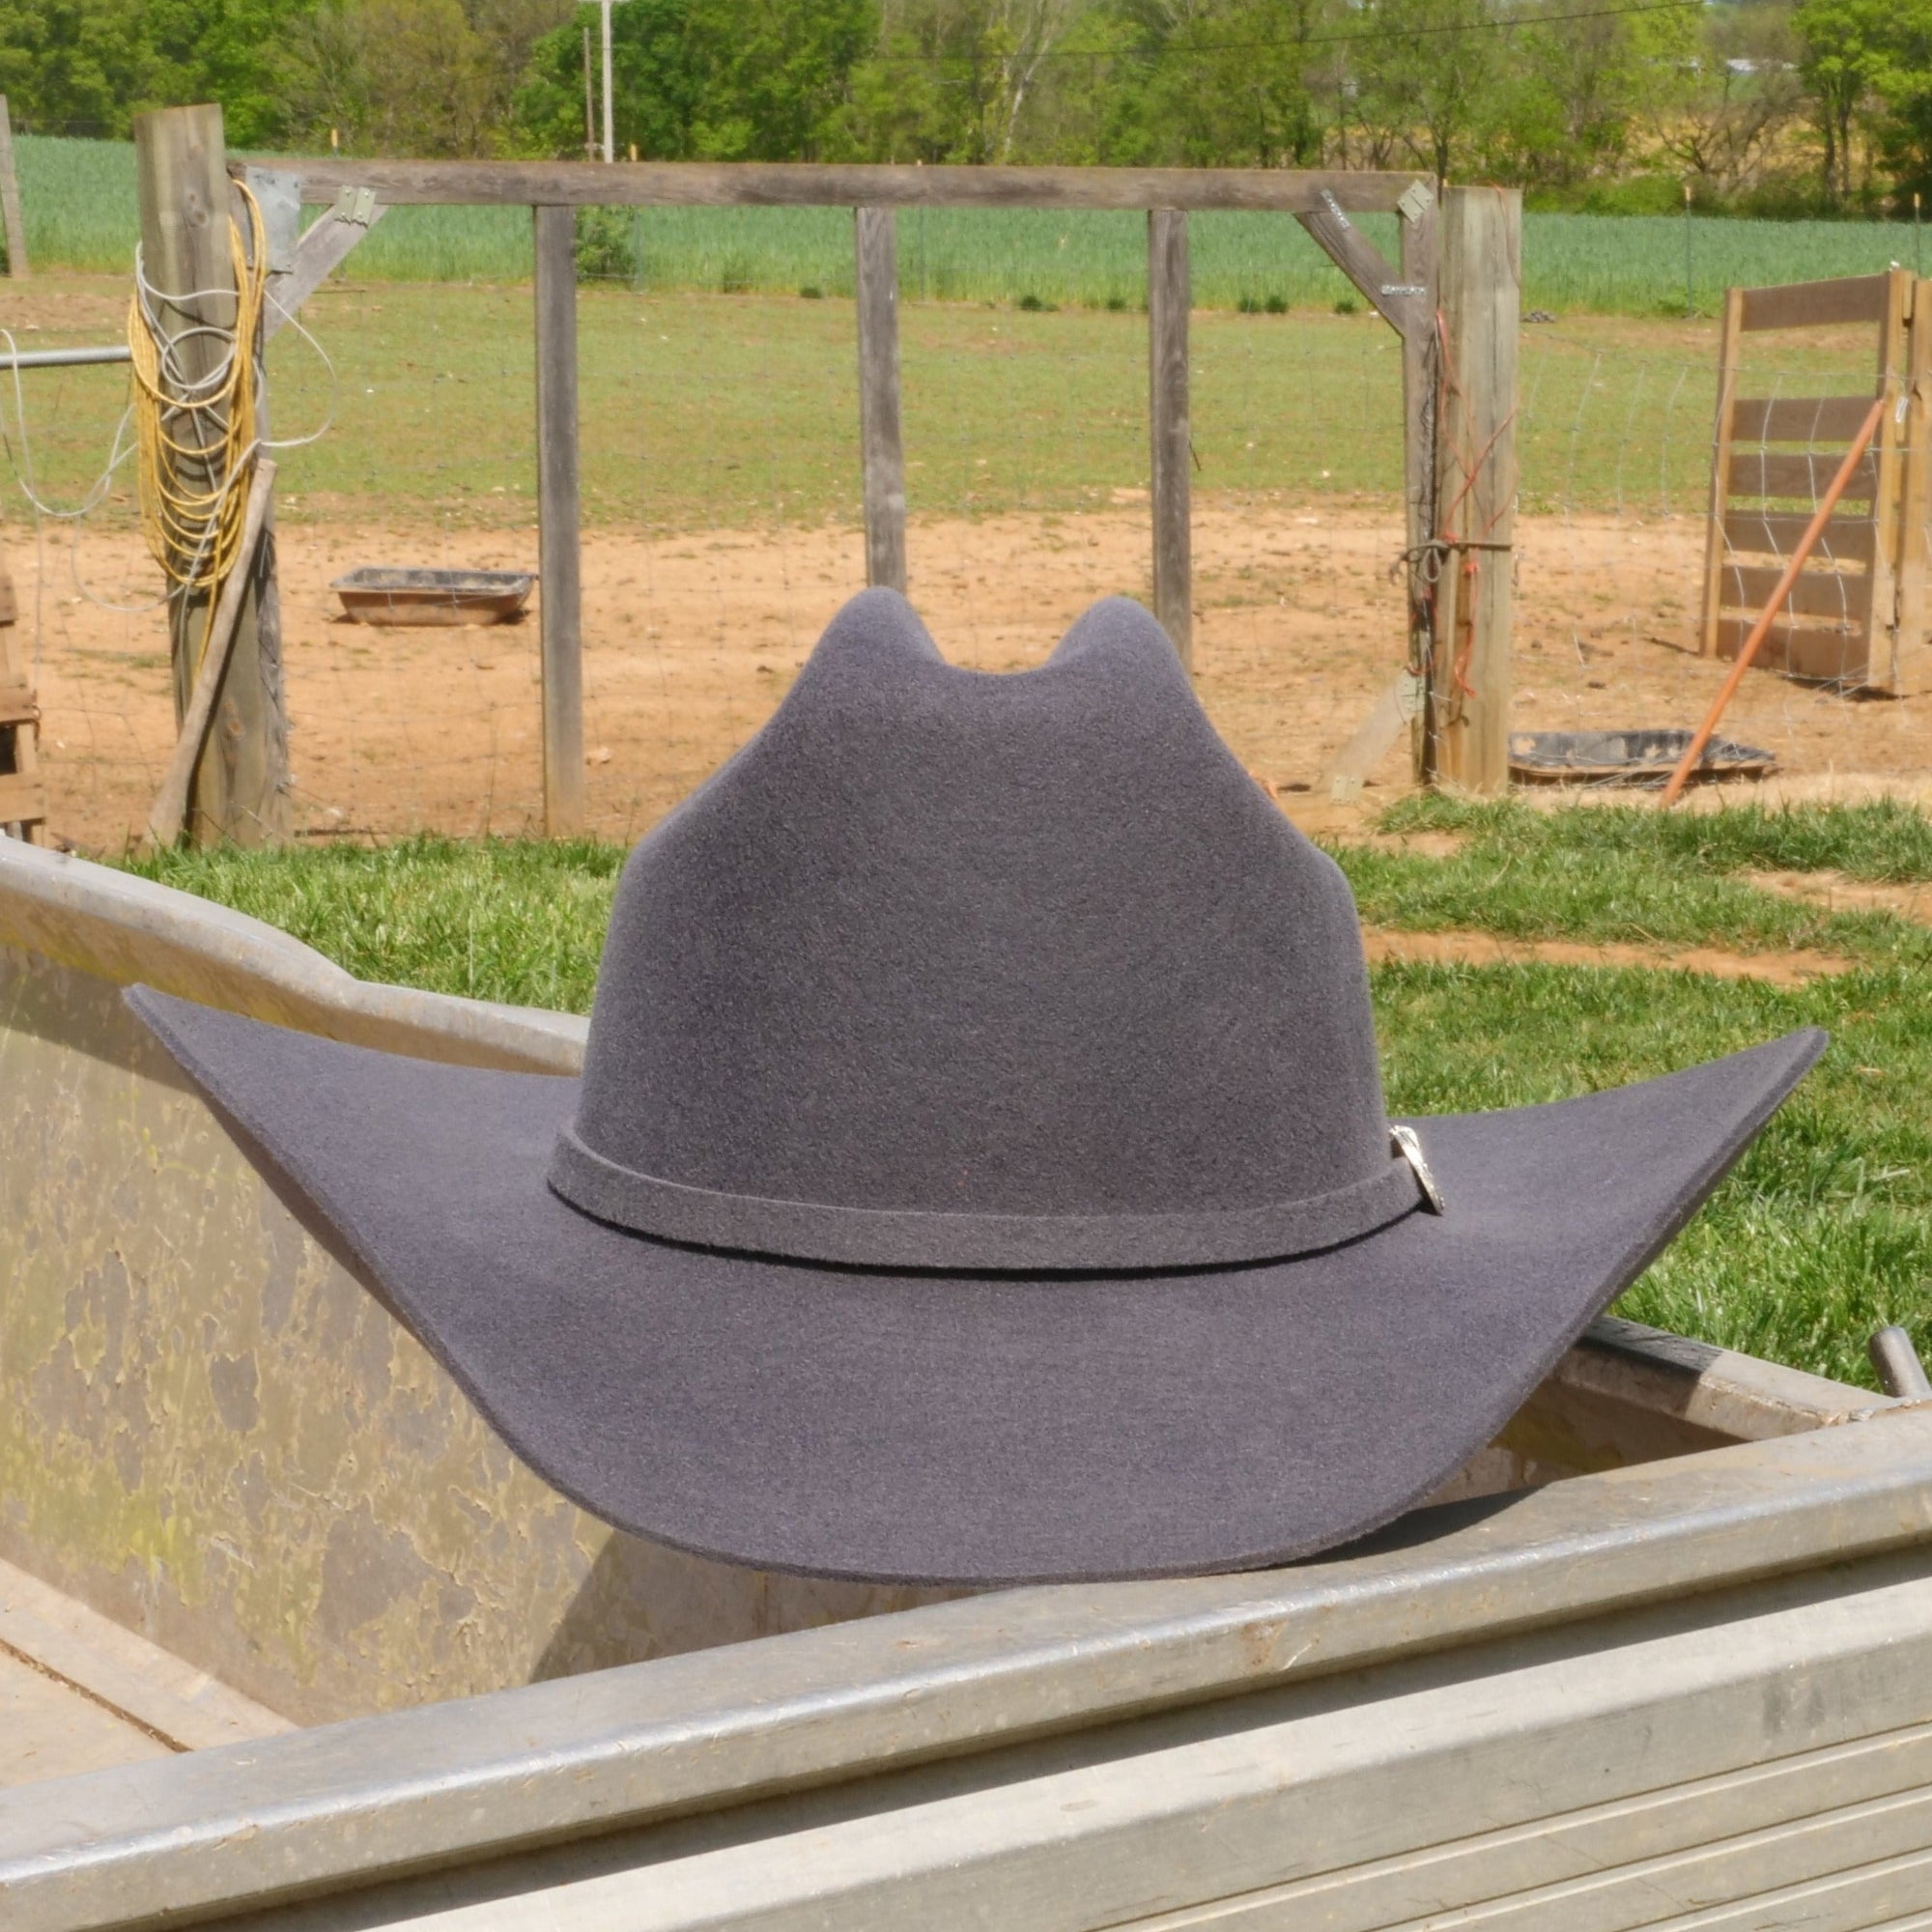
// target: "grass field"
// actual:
[[81, 210], [1823, 1233], [708, 409]]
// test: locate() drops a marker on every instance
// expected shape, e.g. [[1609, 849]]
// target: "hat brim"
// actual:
[[942, 1429]]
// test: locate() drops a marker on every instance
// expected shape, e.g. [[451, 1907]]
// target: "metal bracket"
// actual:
[[1334, 208], [1417, 199], [356, 204], [277, 192]]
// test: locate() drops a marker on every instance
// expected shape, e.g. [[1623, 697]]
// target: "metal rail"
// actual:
[[64, 359]]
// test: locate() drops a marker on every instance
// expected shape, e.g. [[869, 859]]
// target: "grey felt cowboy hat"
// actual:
[[979, 1171]]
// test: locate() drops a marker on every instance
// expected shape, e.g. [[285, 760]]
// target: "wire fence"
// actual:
[[722, 530]]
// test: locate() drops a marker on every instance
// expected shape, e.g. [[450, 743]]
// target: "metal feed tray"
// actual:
[[385, 594], [1627, 758]]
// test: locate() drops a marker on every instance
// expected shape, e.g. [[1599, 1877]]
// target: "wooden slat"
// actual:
[[1169, 294], [17, 705], [1721, 460], [1833, 654], [1817, 419], [560, 554], [1817, 593], [21, 798], [1847, 539], [881, 452], [1814, 304], [805, 185], [1801, 476]]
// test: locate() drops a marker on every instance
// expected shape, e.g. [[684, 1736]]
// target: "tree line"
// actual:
[[1761, 105]]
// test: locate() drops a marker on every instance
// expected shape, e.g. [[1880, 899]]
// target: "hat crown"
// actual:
[[957, 943]]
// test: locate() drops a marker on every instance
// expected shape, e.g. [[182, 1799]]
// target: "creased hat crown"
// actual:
[[952, 969]]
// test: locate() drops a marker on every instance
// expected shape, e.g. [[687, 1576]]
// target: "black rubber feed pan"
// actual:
[[381, 594], [1628, 759]]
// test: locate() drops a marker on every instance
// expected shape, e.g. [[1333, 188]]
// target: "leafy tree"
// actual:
[[1427, 75], [1849, 50], [1723, 105], [695, 79]]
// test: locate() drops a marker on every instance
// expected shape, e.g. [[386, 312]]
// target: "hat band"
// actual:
[[915, 1237]]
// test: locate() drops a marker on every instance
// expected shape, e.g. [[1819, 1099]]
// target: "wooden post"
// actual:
[[1729, 346], [1466, 740], [240, 781], [1908, 643], [1168, 299], [1421, 263], [881, 453], [560, 549], [1887, 506], [9, 199]]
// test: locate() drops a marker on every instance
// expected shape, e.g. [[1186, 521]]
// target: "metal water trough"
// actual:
[[1661, 1654], [381, 594], [1644, 758]]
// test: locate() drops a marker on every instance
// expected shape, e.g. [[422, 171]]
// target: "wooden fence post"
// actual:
[[1421, 268], [559, 548], [1167, 299], [9, 199], [1466, 739], [240, 785], [882, 455]]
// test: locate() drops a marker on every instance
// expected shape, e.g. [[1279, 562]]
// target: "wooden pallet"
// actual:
[[1856, 615], [23, 798]]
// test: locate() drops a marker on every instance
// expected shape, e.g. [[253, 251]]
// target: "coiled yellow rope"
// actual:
[[195, 438]]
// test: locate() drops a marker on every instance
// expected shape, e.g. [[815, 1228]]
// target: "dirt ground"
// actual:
[[691, 641]]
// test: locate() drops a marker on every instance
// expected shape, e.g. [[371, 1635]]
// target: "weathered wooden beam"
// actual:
[[881, 452], [1402, 302], [560, 549], [239, 790], [323, 248], [1169, 294], [802, 184], [1466, 715], [1421, 265], [9, 199]]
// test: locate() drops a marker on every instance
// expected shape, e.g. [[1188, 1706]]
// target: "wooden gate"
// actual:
[[1856, 615]]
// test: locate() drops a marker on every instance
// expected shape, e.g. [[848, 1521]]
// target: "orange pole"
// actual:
[[1774, 603]]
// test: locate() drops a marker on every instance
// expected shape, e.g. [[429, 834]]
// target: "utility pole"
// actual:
[[610, 147]]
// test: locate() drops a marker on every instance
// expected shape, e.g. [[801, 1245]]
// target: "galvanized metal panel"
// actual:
[[1597, 1779], [220, 1437], [450, 1784]]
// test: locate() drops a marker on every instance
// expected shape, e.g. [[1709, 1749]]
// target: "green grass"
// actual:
[[1823, 1233], [80, 211], [701, 411]]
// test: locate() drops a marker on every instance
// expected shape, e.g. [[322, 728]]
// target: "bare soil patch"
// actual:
[[1837, 894], [1486, 949], [692, 639]]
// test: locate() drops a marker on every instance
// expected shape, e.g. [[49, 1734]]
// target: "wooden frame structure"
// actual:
[[1323, 202], [1856, 613]]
